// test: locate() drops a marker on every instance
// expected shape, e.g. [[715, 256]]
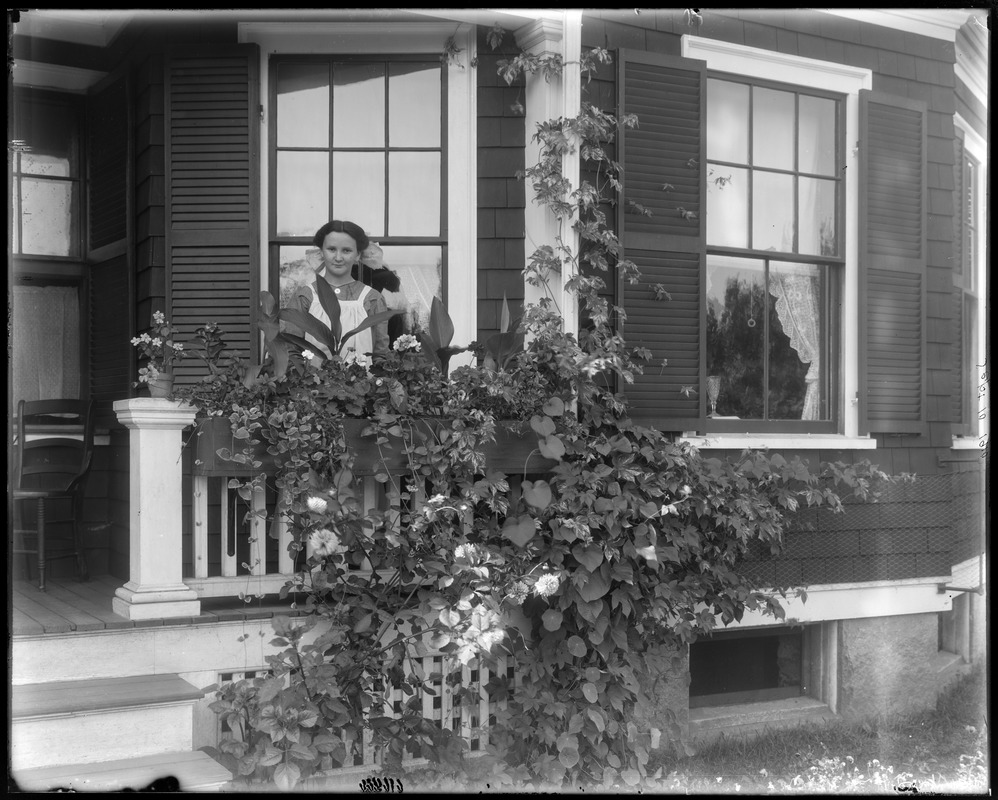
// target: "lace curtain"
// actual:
[[45, 338], [797, 289]]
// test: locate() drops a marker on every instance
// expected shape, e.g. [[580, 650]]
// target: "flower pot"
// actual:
[[161, 385], [212, 434]]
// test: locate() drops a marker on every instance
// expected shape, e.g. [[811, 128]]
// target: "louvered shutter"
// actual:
[[212, 193], [663, 173], [892, 212], [961, 413], [107, 165]]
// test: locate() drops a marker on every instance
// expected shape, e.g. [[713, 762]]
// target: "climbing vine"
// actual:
[[576, 574]]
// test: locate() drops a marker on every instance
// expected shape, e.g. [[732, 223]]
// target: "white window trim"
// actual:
[[976, 145], [843, 79], [461, 155]]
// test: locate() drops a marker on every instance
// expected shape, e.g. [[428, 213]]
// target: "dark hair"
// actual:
[[341, 226]]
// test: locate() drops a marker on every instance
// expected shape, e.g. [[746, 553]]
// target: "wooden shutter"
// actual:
[[107, 165], [892, 212], [212, 193], [663, 172]]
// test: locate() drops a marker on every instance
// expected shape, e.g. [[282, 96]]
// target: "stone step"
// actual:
[[99, 720], [749, 719], [184, 771]]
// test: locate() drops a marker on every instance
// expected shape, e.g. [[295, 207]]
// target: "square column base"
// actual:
[[160, 602]]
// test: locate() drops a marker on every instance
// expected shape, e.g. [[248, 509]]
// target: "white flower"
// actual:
[[325, 542], [686, 491], [407, 342], [317, 505], [437, 499], [177, 345], [308, 355], [157, 342], [547, 585], [159, 317], [517, 593], [136, 341], [465, 551]]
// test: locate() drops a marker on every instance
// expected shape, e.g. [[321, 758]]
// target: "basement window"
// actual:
[[753, 666]]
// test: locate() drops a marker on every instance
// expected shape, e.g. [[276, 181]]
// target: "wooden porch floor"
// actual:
[[73, 605]]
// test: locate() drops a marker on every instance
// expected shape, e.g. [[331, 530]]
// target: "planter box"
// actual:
[[513, 452], [212, 434]]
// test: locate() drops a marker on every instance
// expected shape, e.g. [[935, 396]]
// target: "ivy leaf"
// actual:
[[590, 692], [576, 646], [450, 618], [594, 588], [519, 529], [554, 407], [363, 624], [537, 494], [542, 426], [590, 556], [552, 619], [552, 447]]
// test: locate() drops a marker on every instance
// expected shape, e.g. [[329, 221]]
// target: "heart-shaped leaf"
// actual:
[[551, 447], [554, 407], [594, 588], [552, 619], [519, 529], [542, 426], [590, 556], [537, 494]]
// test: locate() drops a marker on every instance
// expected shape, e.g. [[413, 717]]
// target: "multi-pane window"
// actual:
[[360, 139], [45, 159], [774, 239]]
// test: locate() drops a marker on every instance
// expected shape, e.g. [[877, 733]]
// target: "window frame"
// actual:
[[972, 285], [834, 263], [459, 184], [844, 81]]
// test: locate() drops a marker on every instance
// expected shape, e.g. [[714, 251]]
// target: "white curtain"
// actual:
[[797, 288], [45, 338]]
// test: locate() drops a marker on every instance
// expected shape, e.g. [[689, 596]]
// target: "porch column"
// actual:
[[546, 99], [155, 588]]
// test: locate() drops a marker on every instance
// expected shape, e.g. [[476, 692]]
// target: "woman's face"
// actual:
[[339, 254]]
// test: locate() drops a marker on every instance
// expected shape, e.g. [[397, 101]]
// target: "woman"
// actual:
[[342, 245]]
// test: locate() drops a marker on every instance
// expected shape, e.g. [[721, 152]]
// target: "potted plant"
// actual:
[[161, 352]]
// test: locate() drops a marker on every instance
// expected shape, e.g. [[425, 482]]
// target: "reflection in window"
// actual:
[[768, 348], [45, 338]]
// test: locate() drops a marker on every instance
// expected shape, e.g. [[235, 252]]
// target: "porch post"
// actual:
[[155, 588], [546, 99]]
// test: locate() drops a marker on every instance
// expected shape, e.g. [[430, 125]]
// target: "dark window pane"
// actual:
[[414, 105], [736, 309], [302, 192], [302, 105], [359, 190], [727, 206], [358, 105], [420, 280]]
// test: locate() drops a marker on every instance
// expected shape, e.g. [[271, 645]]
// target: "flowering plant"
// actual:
[[159, 347]]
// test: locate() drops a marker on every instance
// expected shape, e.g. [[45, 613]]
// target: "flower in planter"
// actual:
[[158, 346], [407, 342]]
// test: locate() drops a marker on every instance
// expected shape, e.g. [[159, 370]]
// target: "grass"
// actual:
[[943, 750], [940, 750]]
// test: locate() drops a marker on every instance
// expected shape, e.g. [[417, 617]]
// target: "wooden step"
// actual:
[[103, 719], [183, 771]]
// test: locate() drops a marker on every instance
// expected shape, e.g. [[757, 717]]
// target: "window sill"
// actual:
[[779, 441]]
